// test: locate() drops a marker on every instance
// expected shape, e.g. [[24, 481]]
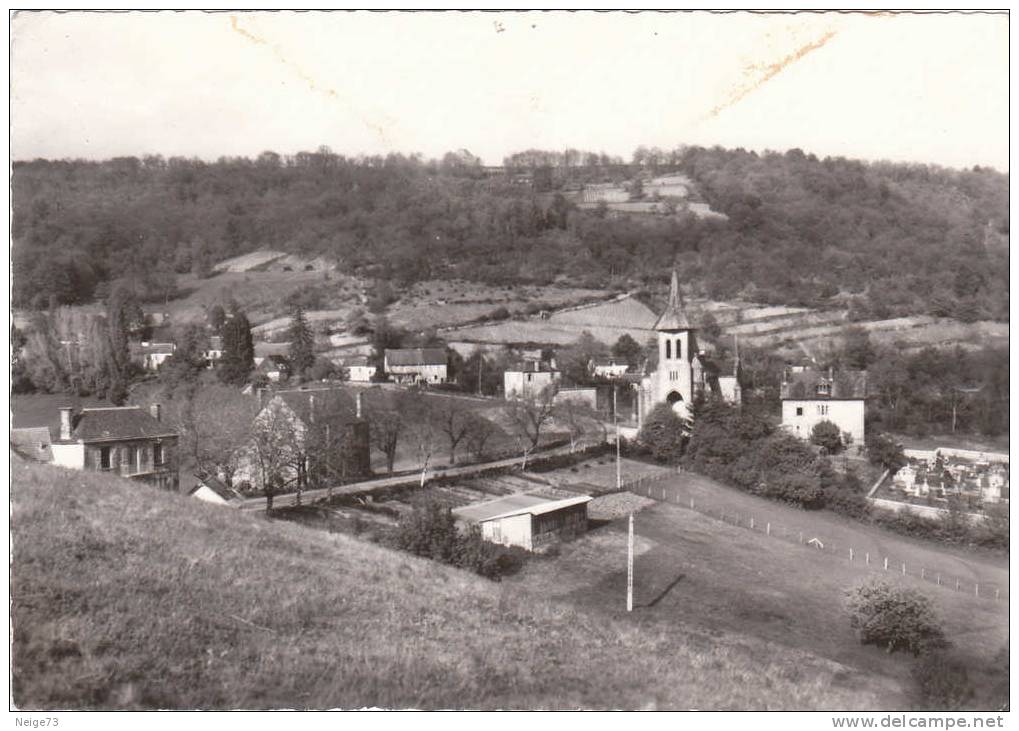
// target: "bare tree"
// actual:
[[214, 423], [454, 420], [387, 426], [579, 419], [480, 432], [529, 416], [274, 446]]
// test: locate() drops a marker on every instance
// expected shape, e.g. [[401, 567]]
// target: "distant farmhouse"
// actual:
[[128, 441], [360, 369], [533, 522], [529, 378], [810, 396], [416, 365], [150, 356], [609, 367]]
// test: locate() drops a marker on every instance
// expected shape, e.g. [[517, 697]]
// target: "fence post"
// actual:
[[976, 589], [903, 569], [886, 563], [801, 536], [850, 553], [957, 585], [997, 592], [939, 579], [868, 558], [768, 529], [691, 503], [923, 573]]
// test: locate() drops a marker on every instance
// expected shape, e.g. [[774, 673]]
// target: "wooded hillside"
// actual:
[[886, 239]]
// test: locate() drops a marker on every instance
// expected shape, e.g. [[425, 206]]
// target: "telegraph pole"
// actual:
[[619, 462], [629, 569]]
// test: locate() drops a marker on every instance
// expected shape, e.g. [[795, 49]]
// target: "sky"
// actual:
[[927, 88]]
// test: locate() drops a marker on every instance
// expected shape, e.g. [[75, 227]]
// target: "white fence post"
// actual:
[[868, 558], [886, 563], [923, 573], [997, 593], [751, 522], [957, 585], [850, 553], [939, 579], [976, 589], [903, 569], [768, 529]]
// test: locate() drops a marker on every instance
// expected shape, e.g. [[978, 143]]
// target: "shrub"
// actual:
[[894, 618], [827, 436], [942, 682], [882, 450], [664, 434]]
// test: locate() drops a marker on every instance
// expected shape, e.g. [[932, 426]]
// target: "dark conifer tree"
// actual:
[[238, 350]]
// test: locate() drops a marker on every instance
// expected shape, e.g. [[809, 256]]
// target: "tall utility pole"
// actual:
[[629, 569], [615, 425]]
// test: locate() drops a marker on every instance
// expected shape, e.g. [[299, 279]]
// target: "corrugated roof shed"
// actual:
[[416, 356], [518, 504]]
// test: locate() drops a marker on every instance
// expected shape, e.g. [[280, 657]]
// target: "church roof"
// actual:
[[674, 317]]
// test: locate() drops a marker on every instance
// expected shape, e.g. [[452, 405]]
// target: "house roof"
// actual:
[[519, 504], [217, 486], [416, 356], [264, 350], [117, 423], [32, 443], [333, 404], [845, 385], [273, 363], [533, 366], [674, 317], [609, 362], [146, 348]]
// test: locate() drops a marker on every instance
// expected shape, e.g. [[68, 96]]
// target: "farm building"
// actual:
[[608, 367], [416, 365], [810, 397], [150, 355], [360, 369], [529, 379], [533, 522]]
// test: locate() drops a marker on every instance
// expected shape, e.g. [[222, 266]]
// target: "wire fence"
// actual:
[[658, 487]]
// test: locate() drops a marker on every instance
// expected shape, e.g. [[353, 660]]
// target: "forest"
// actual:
[[879, 238]]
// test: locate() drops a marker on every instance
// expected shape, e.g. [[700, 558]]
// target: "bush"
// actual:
[[664, 434], [883, 451], [827, 436], [894, 618], [942, 682]]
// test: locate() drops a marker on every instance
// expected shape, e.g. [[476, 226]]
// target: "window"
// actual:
[[668, 348], [104, 458], [822, 409], [679, 348], [130, 460], [824, 389], [799, 411], [530, 377], [157, 455]]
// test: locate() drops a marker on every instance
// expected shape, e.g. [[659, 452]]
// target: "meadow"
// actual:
[[125, 597]]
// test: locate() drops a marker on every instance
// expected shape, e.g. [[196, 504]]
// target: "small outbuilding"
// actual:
[[533, 522]]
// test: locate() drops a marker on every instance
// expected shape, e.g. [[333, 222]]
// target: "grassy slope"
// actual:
[[127, 597]]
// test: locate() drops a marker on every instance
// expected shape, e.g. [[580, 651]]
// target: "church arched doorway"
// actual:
[[673, 398]]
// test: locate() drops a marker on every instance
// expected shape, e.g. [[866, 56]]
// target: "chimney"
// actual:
[[357, 402], [65, 422], [156, 410]]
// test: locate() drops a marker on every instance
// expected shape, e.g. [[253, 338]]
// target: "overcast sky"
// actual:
[[926, 88]]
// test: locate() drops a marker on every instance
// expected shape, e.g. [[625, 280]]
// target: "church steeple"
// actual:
[[674, 318]]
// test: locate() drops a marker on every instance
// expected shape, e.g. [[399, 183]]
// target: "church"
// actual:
[[681, 376]]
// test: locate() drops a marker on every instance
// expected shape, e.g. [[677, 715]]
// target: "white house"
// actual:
[[416, 365], [810, 396], [529, 379], [214, 352], [213, 490], [359, 369], [150, 356], [608, 367], [529, 521]]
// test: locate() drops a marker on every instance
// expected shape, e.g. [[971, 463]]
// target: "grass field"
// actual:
[[725, 577], [127, 597]]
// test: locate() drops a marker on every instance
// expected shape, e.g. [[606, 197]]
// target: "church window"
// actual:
[[679, 348], [668, 348]]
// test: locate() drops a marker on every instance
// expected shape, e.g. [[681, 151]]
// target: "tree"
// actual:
[[529, 416], [238, 351], [580, 419], [454, 421], [216, 318], [387, 426], [884, 451], [479, 434], [575, 360], [302, 343], [664, 434], [827, 435], [894, 618], [628, 349], [187, 362], [275, 443]]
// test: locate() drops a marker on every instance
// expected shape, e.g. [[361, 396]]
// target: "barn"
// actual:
[[533, 522]]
